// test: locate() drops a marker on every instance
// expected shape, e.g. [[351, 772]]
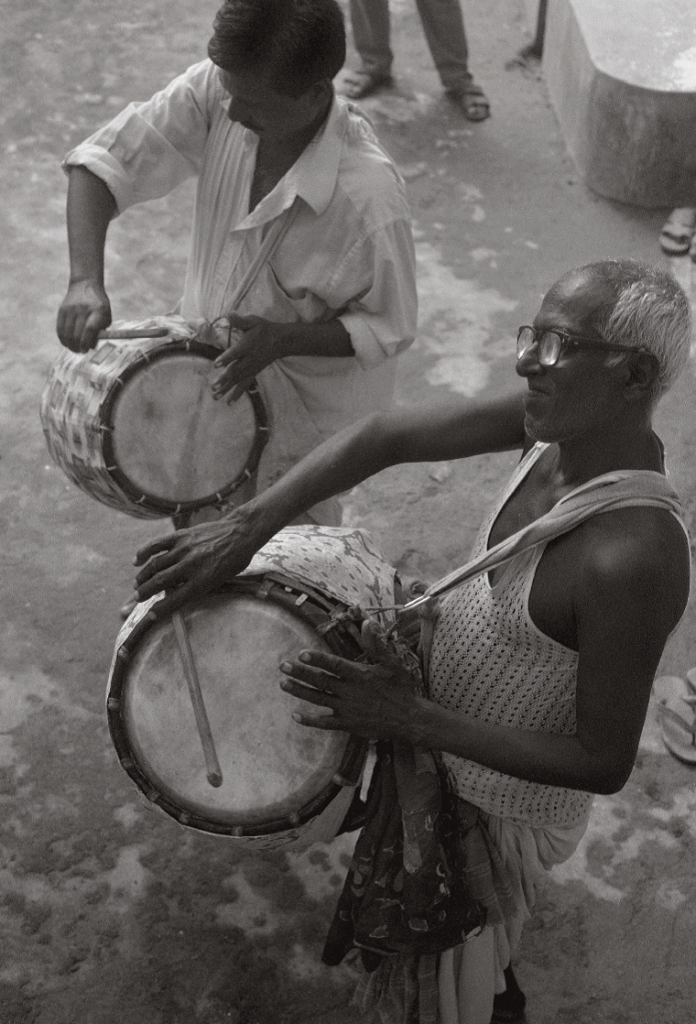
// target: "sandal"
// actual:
[[677, 233], [472, 101], [676, 715], [358, 84]]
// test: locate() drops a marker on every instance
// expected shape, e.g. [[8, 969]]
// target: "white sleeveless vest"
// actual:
[[488, 660]]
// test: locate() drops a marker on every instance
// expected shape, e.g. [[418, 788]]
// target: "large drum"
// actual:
[[134, 424], [283, 784]]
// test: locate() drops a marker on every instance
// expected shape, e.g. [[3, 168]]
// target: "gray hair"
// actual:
[[646, 309]]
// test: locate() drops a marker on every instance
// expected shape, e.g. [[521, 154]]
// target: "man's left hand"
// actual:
[[372, 701], [254, 345]]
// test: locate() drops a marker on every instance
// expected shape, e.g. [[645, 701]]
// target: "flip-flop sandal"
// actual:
[[676, 715], [678, 231], [472, 101], [356, 85]]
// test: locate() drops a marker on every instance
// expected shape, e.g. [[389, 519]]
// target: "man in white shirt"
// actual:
[[272, 148]]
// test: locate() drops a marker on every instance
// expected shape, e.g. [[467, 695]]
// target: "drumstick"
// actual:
[[133, 332], [212, 765]]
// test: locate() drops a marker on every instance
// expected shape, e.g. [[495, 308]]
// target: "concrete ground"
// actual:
[[109, 913]]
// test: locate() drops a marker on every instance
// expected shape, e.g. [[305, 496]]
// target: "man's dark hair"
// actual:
[[301, 41]]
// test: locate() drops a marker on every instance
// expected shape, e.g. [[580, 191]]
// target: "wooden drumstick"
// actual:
[[212, 765], [133, 332]]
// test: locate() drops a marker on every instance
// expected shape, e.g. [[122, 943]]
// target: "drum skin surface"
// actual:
[[283, 784], [271, 766], [172, 440]]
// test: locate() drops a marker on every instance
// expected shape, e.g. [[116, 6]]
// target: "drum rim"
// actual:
[[154, 502], [341, 636]]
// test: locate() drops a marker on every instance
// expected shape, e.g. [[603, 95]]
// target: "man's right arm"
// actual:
[[142, 154], [190, 563], [86, 310]]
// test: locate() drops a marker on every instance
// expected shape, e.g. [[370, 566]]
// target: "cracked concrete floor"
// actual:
[[110, 914]]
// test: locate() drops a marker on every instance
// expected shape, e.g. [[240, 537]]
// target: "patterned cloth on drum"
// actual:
[[284, 785], [339, 561], [134, 424]]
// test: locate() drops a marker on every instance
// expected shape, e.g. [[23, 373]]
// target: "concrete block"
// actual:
[[531, 9], [621, 76]]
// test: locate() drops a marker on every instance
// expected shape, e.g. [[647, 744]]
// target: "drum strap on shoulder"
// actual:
[[274, 236]]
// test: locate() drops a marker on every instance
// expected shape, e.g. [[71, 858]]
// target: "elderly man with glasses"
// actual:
[[539, 669]]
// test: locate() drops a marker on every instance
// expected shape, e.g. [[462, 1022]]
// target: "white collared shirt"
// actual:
[[349, 251]]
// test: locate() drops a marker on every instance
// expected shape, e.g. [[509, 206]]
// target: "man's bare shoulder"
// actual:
[[641, 529], [619, 570], [640, 548]]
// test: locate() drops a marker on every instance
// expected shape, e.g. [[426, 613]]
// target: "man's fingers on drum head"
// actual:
[[238, 391], [147, 552], [331, 663], [148, 584], [171, 602], [316, 677], [325, 721], [314, 692], [160, 573]]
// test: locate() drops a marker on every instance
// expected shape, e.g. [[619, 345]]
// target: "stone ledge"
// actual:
[[531, 8], [621, 76]]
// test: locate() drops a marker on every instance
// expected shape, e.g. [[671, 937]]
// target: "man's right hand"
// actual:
[[192, 563], [84, 312]]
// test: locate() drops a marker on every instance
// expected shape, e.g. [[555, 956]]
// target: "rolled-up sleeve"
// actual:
[[381, 320], [151, 147]]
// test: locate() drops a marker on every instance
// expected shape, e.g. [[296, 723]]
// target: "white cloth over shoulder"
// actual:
[[341, 562]]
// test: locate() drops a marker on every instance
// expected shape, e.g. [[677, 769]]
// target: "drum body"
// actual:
[[134, 424], [283, 784]]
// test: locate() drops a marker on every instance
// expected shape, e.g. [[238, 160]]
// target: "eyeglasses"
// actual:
[[553, 342]]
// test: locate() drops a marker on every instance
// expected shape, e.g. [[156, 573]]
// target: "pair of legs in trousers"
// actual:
[[443, 26]]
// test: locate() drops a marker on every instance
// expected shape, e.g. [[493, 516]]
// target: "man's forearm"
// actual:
[[90, 209], [204, 557], [455, 430], [337, 465], [542, 757], [211, 554], [318, 339]]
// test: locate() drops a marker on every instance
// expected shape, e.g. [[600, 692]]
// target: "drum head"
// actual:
[[171, 440], [271, 766]]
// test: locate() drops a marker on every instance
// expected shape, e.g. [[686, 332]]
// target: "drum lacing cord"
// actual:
[[377, 641], [427, 612], [350, 619]]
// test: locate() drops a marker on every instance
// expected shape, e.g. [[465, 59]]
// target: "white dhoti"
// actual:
[[469, 975]]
